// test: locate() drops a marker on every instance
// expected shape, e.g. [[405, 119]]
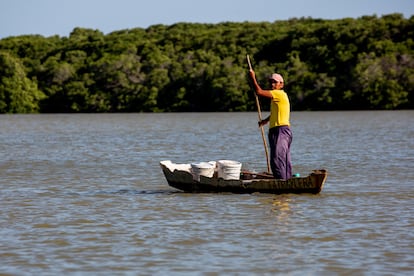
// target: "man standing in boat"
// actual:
[[280, 135]]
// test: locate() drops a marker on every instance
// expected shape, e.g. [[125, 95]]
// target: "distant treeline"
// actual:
[[344, 64]]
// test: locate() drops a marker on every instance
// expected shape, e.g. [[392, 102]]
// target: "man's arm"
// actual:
[[257, 88]]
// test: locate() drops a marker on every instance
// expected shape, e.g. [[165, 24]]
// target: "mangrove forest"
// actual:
[[361, 63]]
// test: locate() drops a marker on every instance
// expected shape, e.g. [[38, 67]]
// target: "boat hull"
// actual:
[[184, 181]]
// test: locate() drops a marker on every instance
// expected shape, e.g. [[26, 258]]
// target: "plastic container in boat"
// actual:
[[229, 169], [202, 168]]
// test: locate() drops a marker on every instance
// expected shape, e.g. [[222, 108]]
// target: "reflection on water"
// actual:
[[281, 208], [84, 194]]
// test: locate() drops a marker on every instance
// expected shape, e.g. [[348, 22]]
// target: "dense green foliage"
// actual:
[[363, 63]]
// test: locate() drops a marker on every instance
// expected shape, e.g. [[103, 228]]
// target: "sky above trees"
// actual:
[[51, 17]]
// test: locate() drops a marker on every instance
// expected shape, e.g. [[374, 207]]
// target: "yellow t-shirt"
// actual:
[[279, 109]]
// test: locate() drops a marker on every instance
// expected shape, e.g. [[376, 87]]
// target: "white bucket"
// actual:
[[228, 169], [203, 168]]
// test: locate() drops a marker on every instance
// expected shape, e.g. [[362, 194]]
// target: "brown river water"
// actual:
[[84, 194]]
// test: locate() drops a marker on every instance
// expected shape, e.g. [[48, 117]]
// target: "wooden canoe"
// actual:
[[180, 177]]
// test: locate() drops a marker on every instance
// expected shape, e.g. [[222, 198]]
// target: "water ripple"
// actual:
[[84, 194]]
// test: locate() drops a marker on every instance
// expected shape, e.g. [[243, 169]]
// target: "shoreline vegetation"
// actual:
[[365, 63]]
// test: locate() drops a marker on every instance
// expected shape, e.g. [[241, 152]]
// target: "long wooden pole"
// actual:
[[260, 119]]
